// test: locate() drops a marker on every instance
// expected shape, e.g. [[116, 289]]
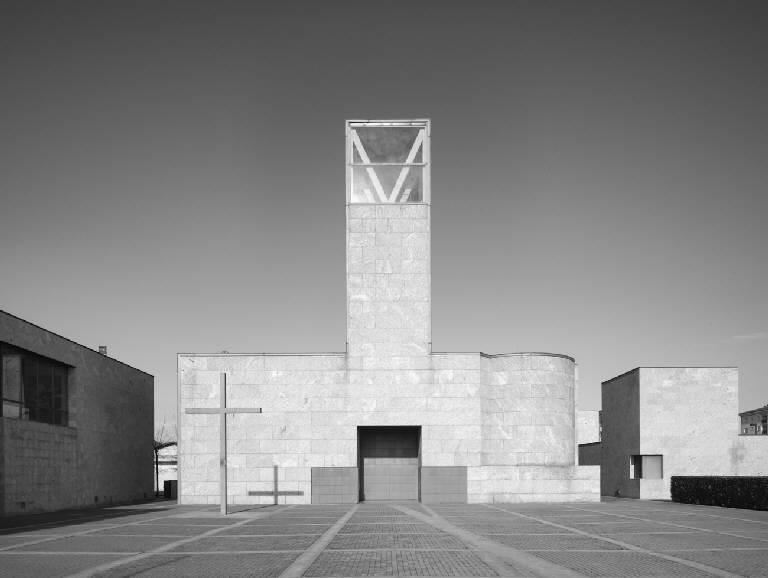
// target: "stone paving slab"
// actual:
[[246, 543], [398, 540], [191, 521], [428, 542], [688, 541], [62, 564], [510, 528], [13, 540], [362, 542], [153, 530], [381, 519], [553, 542], [620, 563], [354, 528], [98, 544], [274, 530], [262, 565], [441, 564], [351, 563], [741, 562], [627, 527]]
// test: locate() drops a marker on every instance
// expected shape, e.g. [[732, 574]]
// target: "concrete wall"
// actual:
[[590, 454], [104, 453], [621, 434], [587, 426], [748, 455]]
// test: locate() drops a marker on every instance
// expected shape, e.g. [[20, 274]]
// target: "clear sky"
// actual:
[[172, 175]]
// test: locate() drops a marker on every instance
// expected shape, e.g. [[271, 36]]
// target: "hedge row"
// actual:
[[749, 492]]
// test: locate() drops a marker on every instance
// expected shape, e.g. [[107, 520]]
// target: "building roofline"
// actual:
[[343, 354], [74, 342], [670, 367], [763, 409], [263, 354]]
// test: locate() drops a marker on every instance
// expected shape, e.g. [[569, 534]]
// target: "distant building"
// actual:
[[755, 421], [76, 427], [168, 465]]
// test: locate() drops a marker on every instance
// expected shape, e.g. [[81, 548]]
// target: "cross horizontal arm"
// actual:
[[223, 410]]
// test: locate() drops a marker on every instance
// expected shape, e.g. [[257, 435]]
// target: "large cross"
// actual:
[[223, 410]]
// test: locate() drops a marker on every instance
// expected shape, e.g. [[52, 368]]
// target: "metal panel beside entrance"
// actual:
[[389, 462]]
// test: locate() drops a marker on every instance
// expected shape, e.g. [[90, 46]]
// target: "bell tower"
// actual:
[[388, 239]]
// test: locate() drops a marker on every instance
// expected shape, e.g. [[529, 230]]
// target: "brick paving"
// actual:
[[612, 538]]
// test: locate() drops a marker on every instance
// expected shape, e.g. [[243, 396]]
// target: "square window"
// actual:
[[648, 467]]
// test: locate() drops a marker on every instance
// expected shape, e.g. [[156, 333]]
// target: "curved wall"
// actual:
[[528, 410]]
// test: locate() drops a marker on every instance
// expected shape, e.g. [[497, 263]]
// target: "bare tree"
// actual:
[[164, 437]]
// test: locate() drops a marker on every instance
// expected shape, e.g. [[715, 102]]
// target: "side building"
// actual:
[[659, 422], [76, 427]]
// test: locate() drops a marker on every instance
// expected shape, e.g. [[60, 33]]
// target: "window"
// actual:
[[34, 387], [646, 467], [388, 161]]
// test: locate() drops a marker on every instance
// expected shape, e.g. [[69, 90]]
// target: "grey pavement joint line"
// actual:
[[678, 525], [503, 559], [691, 564], [305, 560], [160, 549], [53, 537]]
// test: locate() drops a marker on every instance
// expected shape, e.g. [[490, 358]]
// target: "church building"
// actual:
[[387, 419]]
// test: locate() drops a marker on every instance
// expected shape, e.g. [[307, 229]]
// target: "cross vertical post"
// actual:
[[223, 442], [223, 410]]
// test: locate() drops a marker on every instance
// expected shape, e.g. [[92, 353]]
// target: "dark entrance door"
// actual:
[[388, 458]]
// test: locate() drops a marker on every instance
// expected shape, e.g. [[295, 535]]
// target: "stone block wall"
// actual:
[[587, 426], [313, 404], [748, 455], [528, 410], [590, 454], [388, 285], [105, 452]]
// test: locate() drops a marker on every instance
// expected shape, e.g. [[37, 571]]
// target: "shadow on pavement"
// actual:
[[72, 517]]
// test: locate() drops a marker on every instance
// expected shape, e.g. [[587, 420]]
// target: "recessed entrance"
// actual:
[[389, 458]]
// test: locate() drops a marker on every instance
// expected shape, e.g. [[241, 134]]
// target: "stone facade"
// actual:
[[508, 418], [686, 415], [103, 454], [490, 427]]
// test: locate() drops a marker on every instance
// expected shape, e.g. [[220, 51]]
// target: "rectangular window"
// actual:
[[34, 387], [648, 467]]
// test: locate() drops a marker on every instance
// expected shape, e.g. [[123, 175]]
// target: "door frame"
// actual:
[[361, 465]]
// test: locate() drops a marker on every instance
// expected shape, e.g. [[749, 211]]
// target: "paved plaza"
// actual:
[[611, 538]]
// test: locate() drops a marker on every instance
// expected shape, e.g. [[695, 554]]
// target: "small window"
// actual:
[[648, 467]]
